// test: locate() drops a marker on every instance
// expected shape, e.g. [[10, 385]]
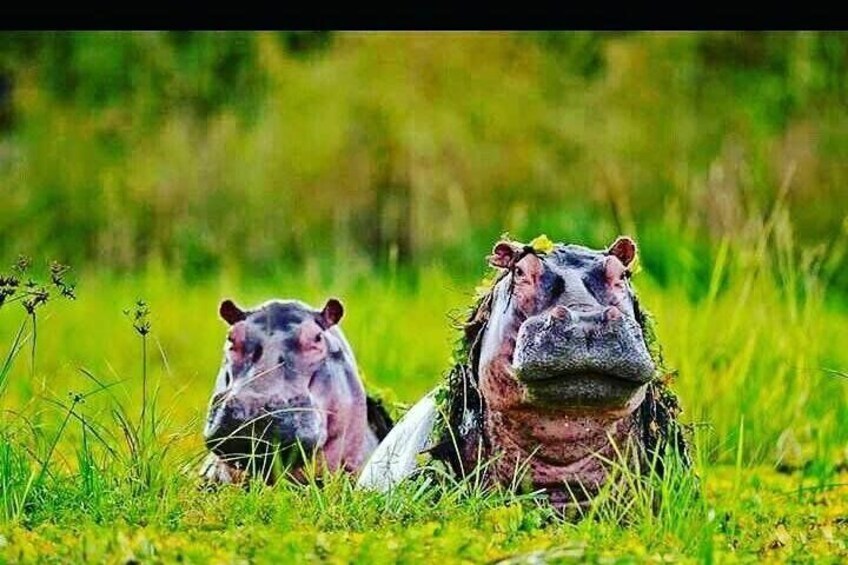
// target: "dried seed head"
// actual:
[[31, 292], [139, 315]]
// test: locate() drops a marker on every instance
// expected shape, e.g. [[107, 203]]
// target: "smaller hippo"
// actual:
[[288, 386]]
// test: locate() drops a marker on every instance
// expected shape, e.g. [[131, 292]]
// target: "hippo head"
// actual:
[[272, 388], [565, 324]]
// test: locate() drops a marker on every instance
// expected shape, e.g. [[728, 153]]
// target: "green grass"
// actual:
[[82, 479]]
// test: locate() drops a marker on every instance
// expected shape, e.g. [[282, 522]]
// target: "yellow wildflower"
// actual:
[[542, 244]]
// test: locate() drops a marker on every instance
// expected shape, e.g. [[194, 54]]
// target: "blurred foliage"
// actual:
[[213, 150]]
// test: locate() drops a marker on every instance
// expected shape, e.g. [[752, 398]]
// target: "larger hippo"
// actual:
[[288, 387], [555, 378]]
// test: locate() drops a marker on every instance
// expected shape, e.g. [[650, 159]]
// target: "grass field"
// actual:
[[759, 360]]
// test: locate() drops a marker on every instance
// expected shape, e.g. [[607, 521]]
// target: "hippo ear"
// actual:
[[230, 312], [503, 254], [332, 313], [624, 248]]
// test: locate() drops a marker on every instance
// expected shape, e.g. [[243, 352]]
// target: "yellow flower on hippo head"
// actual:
[[542, 244]]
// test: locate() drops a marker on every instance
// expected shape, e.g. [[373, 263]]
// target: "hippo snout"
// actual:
[[237, 430], [589, 354]]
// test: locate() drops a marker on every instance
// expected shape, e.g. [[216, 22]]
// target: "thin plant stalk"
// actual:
[[143, 381]]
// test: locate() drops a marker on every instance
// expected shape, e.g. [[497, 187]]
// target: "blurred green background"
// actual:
[[358, 152]]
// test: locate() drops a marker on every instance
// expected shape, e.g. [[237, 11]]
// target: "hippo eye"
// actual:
[[558, 287], [257, 353], [317, 338], [519, 272]]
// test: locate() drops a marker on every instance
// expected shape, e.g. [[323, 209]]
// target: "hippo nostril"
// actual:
[[612, 313], [560, 312]]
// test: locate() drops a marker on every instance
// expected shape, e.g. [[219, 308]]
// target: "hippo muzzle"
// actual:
[[582, 357], [241, 433]]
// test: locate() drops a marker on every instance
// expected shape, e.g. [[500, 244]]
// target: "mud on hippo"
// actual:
[[288, 387], [557, 376]]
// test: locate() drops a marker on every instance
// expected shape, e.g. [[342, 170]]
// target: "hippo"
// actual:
[[288, 392], [557, 378]]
